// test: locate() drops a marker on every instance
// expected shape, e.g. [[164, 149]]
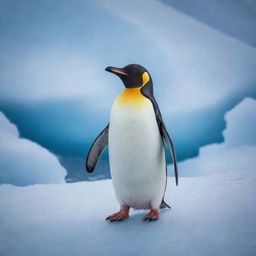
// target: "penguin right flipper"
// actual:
[[168, 140], [96, 150], [147, 91]]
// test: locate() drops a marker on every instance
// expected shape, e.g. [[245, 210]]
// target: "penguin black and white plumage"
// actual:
[[135, 136]]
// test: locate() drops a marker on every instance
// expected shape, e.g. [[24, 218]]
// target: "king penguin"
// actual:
[[135, 136]]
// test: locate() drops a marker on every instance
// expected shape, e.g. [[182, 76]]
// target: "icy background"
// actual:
[[238, 150], [213, 214], [55, 98], [53, 55], [24, 162]]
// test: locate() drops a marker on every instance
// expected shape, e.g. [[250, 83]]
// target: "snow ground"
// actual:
[[210, 215]]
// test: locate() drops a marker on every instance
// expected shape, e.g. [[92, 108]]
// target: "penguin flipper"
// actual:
[[96, 150], [147, 91], [168, 140]]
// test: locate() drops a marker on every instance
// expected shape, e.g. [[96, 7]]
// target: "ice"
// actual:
[[211, 215], [241, 124], [236, 153], [23, 162], [193, 66], [203, 67]]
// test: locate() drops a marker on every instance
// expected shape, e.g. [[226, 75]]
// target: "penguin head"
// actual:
[[133, 75]]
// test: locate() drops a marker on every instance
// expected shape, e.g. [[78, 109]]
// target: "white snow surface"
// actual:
[[241, 123], [210, 215], [23, 162]]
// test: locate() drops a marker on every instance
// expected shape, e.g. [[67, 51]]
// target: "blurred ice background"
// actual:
[[55, 97], [211, 214], [201, 55]]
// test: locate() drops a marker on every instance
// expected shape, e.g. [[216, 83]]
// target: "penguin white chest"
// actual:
[[136, 153]]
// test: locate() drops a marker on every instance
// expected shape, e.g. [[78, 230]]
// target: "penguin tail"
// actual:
[[164, 205]]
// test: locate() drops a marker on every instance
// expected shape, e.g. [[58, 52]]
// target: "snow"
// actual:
[[23, 162], [237, 152], [210, 215], [241, 122]]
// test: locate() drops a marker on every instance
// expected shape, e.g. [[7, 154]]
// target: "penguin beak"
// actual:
[[116, 71]]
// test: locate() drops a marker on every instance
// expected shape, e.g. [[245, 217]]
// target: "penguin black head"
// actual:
[[132, 75]]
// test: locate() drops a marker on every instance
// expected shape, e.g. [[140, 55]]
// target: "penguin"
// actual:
[[135, 137]]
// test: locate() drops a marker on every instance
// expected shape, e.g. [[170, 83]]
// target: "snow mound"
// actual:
[[23, 162], [241, 123], [238, 151], [211, 215]]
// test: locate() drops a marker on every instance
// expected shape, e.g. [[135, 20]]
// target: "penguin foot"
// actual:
[[152, 215], [121, 215]]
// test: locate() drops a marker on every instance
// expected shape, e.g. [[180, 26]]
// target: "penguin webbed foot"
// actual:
[[153, 215], [119, 216]]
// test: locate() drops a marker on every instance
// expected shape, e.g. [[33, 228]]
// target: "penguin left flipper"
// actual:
[[96, 150], [148, 92], [168, 140]]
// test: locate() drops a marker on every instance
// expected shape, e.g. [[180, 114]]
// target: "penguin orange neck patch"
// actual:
[[131, 95], [134, 95]]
